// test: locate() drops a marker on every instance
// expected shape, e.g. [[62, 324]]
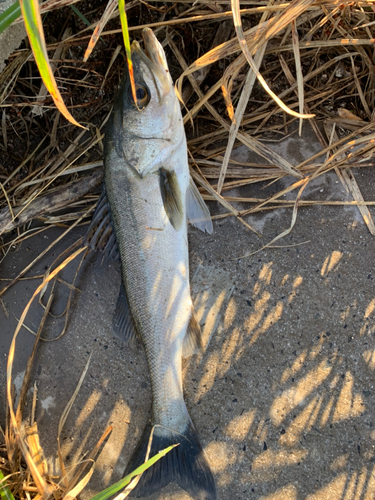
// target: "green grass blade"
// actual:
[[125, 34], [34, 28], [5, 492], [80, 15], [115, 488], [10, 15]]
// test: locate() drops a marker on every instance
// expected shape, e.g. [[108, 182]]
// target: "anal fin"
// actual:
[[197, 211]]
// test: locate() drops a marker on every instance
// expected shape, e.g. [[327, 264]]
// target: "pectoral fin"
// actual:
[[172, 197], [197, 211], [193, 338], [100, 234]]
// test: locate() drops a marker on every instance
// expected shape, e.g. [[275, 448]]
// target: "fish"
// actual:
[[142, 219]]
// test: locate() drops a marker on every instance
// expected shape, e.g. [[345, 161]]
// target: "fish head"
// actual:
[[145, 133]]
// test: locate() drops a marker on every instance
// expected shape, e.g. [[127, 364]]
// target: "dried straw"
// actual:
[[314, 58]]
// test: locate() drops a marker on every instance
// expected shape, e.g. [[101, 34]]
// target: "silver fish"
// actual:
[[149, 197]]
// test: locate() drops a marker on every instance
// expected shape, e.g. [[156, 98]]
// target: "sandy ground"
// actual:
[[283, 398]]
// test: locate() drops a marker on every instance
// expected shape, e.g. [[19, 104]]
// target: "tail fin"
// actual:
[[185, 465]]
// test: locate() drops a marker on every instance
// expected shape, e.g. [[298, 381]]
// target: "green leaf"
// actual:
[[125, 34], [10, 15], [80, 15], [34, 28], [116, 487], [5, 492]]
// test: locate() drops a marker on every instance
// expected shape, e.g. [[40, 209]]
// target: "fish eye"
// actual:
[[142, 93]]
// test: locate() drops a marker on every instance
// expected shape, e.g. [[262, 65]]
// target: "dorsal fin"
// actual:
[[100, 234]]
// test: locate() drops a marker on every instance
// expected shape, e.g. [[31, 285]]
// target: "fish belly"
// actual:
[[155, 273]]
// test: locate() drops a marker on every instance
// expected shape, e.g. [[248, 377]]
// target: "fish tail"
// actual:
[[185, 465]]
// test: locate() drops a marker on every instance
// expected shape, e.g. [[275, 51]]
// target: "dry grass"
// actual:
[[25, 469], [314, 57]]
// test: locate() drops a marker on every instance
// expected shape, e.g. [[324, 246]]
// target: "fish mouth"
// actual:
[[154, 58]]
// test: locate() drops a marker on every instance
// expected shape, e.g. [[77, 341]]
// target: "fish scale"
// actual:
[[159, 297], [149, 197]]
